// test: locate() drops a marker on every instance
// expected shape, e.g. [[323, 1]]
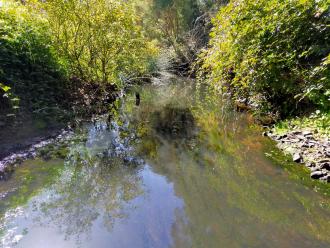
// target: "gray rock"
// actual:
[[327, 153], [293, 140], [307, 133], [300, 137], [310, 164], [324, 161], [316, 168], [325, 178], [317, 174], [308, 144], [325, 166], [283, 136], [297, 157], [306, 148]]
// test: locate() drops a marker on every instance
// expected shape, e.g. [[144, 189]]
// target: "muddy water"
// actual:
[[175, 169]]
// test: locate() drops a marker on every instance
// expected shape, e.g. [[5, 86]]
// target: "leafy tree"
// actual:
[[276, 52], [101, 39], [174, 19]]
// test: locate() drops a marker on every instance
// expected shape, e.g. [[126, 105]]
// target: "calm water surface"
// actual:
[[177, 170]]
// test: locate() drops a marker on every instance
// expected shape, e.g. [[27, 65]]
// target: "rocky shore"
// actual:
[[308, 148], [7, 164]]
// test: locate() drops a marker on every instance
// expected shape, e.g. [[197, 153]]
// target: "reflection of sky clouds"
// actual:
[[55, 219], [98, 200], [107, 139], [11, 236]]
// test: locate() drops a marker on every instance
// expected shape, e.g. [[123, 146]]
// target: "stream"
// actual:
[[173, 168]]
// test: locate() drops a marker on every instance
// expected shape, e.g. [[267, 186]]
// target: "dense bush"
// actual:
[[101, 39], [181, 26], [29, 66], [274, 52], [44, 43]]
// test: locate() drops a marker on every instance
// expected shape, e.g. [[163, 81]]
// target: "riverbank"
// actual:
[[307, 141], [250, 58], [28, 128], [32, 148]]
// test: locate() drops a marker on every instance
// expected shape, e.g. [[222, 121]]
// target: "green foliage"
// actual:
[[184, 11], [101, 39], [4, 88], [172, 20], [43, 43], [11, 99], [318, 120], [28, 62], [275, 51]]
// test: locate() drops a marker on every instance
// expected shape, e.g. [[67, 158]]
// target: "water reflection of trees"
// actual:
[[94, 188], [235, 199], [173, 122], [234, 196]]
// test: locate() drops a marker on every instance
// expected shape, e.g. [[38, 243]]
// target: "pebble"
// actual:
[[297, 157], [325, 166], [325, 178], [317, 174], [305, 146], [307, 133]]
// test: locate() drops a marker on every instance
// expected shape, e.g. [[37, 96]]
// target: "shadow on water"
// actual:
[[173, 122], [173, 167]]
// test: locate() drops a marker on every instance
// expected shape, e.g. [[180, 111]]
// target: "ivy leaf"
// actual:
[[5, 88]]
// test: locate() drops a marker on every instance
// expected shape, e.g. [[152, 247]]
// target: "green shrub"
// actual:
[[29, 64], [274, 51], [101, 39], [319, 121], [8, 100]]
